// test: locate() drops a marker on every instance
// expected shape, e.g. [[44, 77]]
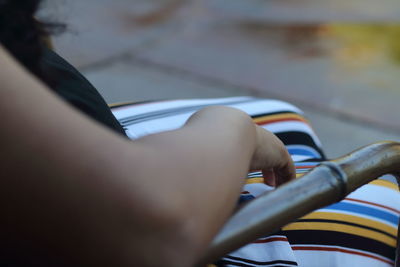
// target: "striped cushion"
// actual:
[[361, 230]]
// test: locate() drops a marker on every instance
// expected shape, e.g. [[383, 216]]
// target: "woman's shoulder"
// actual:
[[73, 87]]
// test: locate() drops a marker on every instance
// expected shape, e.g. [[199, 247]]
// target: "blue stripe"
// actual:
[[245, 198], [308, 163], [303, 152], [356, 208]]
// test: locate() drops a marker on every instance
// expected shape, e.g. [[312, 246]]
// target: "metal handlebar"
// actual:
[[326, 184]]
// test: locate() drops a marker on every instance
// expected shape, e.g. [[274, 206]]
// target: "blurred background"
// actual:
[[338, 60]]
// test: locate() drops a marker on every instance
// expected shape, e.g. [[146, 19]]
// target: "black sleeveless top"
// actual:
[[71, 86]]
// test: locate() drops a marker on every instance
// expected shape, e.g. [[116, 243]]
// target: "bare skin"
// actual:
[[74, 192]]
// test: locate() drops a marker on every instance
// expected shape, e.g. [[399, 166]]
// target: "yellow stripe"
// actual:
[[352, 219], [260, 180], [255, 180], [341, 228], [385, 184], [280, 117]]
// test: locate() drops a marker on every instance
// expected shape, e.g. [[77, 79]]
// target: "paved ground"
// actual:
[[212, 49], [310, 11]]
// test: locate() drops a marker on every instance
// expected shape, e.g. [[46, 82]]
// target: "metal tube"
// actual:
[[326, 184], [369, 163]]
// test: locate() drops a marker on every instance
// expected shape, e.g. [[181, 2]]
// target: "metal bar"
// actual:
[[326, 184]]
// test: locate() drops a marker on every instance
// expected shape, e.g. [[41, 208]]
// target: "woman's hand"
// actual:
[[272, 158], [269, 153]]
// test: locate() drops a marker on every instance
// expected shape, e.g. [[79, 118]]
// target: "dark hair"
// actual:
[[22, 35]]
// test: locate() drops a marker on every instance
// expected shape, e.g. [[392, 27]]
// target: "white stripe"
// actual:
[[378, 194], [272, 251], [262, 106], [158, 125], [127, 111], [176, 121], [297, 158]]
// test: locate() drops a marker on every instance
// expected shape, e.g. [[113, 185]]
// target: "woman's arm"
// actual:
[[75, 192]]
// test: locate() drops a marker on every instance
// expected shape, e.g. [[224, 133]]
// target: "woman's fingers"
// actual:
[[269, 177], [285, 174], [273, 159], [285, 170], [279, 176]]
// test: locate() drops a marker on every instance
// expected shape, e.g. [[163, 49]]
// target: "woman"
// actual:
[[76, 193]]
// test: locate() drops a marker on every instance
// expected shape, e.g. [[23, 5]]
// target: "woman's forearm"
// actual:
[[201, 169]]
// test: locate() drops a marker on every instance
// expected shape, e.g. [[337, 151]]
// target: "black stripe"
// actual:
[[275, 113], [177, 110], [348, 223], [223, 263], [300, 138], [262, 262], [316, 161], [332, 238]]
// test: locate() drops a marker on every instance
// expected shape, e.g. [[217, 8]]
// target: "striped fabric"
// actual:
[[361, 230]]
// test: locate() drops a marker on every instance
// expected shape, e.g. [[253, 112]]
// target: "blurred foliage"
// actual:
[[366, 42]]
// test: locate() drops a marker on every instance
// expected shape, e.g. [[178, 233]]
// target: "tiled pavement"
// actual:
[[206, 49]]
